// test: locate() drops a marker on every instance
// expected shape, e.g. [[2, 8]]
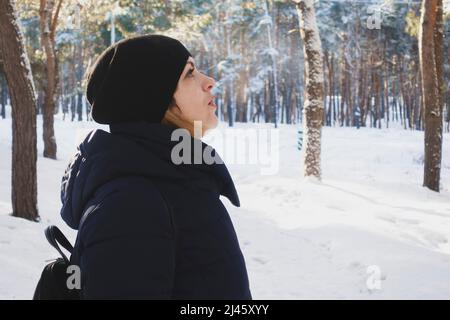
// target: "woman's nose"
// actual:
[[210, 83]]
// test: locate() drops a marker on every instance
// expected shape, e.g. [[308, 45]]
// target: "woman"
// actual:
[[155, 229]]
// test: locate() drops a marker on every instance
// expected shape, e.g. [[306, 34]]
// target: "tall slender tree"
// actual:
[[313, 104], [48, 14], [431, 66], [22, 92]]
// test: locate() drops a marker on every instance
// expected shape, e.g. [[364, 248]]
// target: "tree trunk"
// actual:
[[242, 81], [329, 87], [79, 76], [63, 93], [48, 22], [431, 60], [22, 92], [230, 83], [343, 89], [363, 91], [274, 81], [447, 93], [313, 106], [3, 95]]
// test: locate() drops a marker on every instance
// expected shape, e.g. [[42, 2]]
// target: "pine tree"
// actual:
[[431, 65], [22, 92], [48, 20]]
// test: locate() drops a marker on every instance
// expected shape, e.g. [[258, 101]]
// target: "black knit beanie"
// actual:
[[135, 79]]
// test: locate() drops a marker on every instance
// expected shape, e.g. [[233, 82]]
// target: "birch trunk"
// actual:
[[313, 104]]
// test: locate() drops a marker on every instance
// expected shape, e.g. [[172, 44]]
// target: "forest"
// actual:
[[354, 95], [253, 49], [349, 63]]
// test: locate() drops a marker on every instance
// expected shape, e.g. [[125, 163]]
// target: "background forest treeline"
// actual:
[[253, 49]]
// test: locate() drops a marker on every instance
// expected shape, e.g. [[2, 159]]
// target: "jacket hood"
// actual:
[[134, 149]]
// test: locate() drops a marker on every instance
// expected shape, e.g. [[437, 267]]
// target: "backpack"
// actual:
[[53, 283]]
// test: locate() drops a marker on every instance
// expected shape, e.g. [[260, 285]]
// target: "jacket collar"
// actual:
[[158, 138]]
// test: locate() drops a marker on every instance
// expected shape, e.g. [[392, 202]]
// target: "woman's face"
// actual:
[[194, 98]]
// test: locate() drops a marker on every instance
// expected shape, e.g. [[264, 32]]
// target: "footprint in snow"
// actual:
[[259, 260]]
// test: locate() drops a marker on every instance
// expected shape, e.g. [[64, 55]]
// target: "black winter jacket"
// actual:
[[158, 230]]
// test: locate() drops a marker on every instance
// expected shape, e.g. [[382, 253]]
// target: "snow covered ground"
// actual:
[[369, 230]]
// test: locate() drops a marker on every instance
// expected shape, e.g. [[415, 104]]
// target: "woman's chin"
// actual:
[[211, 125], [214, 122]]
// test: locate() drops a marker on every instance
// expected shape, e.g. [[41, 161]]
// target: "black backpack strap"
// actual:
[[86, 215], [55, 236]]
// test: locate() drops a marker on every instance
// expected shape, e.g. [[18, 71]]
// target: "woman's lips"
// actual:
[[212, 104]]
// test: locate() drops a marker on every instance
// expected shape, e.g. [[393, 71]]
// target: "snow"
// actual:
[[266, 19], [368, 230], [270, 51], [257, 82]]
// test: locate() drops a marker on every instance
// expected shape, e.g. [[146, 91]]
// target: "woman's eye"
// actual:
[[190, 72]]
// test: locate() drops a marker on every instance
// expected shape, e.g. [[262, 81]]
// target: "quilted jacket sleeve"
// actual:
[[128, 246]]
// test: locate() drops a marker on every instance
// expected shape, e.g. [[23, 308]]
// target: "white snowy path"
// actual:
[[301, 239]]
